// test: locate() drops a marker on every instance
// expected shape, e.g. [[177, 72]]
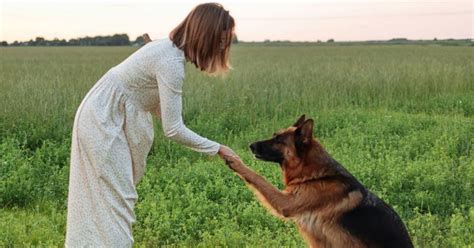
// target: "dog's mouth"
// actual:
[[258, 156], [268, 158]]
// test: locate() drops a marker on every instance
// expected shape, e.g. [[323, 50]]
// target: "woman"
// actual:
[[113, 130]]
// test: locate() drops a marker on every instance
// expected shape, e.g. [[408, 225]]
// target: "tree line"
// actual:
[[109, 40], [123, 40]]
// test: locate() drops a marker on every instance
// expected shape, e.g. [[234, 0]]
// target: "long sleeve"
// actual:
[[170, 80]]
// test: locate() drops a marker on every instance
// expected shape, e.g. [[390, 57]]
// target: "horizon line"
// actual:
[[248, 41]]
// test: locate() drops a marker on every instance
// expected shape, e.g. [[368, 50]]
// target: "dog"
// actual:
[[329, 206]]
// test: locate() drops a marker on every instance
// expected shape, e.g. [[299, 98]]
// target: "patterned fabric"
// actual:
[[112, 135]]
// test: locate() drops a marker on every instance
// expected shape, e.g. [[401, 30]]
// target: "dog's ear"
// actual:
[[304, 133], [300, 121]]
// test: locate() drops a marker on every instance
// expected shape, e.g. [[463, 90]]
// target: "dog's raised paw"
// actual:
[[232, 161]]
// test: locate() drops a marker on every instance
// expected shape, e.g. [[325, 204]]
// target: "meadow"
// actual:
[[399, 118]]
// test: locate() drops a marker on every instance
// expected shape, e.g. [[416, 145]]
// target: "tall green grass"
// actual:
[[400, 118]]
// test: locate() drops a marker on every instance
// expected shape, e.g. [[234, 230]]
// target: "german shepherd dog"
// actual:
[[329, 206]]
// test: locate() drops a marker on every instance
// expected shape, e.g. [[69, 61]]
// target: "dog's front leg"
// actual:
[[279, 203]]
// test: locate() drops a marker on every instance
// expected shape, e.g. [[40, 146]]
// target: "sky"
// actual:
[[257, 20]]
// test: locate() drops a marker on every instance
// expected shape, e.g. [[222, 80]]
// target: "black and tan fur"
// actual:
[[329, 206]]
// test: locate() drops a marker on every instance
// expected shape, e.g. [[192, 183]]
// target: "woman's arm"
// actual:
[[170, 85]]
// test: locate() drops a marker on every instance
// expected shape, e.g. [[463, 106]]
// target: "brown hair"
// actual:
[[205, 36]]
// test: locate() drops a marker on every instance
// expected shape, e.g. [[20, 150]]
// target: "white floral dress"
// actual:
[[112, 135]]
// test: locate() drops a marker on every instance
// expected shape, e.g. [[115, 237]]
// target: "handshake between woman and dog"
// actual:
[[329, 206]]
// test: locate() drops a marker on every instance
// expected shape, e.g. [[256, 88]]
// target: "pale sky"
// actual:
[[256, 20]]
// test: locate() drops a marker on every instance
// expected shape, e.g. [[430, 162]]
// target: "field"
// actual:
[[400, 118]]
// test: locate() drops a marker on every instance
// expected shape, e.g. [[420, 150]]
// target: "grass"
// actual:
[[400, 118]]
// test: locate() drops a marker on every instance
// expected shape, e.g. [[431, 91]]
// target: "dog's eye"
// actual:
[[279, 139]]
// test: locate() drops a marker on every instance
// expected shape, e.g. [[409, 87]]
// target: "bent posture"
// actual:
[[113, 129], [329, 206]]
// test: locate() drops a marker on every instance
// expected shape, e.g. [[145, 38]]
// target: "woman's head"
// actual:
[[205, 36]]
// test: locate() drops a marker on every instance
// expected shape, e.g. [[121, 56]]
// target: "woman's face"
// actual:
[[224, 39]]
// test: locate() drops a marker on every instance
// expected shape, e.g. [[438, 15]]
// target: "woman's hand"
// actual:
[[225, 151]]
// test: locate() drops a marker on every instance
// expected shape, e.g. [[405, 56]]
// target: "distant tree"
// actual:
[[3, 43], [267, 41], [435, 39], [57, 42], [115, 40], [39, 41], [73, 42], [330, 41], [398, 40], [139, 41], [120, 40]]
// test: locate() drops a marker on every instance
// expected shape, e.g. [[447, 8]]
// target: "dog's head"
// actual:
[[287, 145]]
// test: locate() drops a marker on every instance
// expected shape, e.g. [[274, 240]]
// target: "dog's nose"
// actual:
[[253, 147]]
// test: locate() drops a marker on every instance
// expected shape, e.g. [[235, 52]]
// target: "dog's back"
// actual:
[[372, 221], [376, 224]]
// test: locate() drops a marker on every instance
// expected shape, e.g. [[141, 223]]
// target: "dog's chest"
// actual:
[[313, 223], [319, 230]]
